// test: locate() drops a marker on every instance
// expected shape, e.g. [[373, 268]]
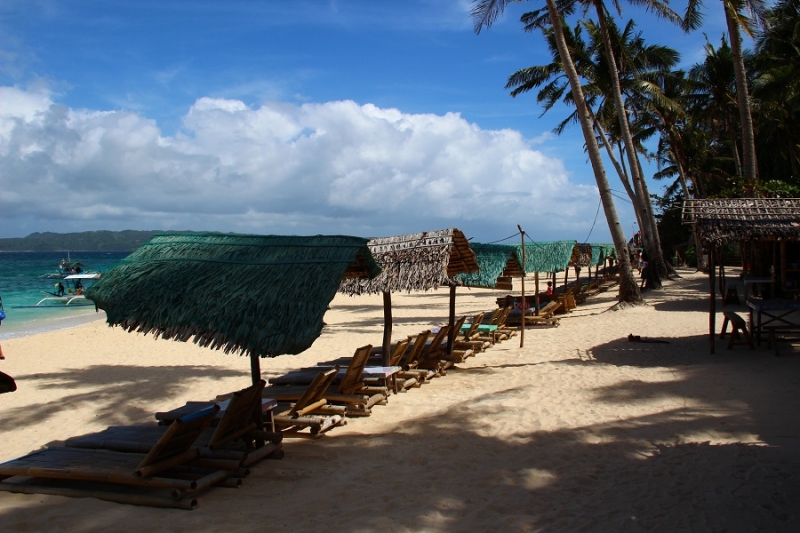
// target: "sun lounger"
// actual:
[[350, 390], [469, 338], [546, 315], [429, 357], [311, 410], [233, 434], [102, 473]]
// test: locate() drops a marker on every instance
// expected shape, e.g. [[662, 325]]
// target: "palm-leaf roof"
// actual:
[[263, 295], [416, 262], [551, 256], [494, 261], [724, 220]]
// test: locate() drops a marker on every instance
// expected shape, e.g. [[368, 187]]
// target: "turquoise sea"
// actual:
[[24, 280]]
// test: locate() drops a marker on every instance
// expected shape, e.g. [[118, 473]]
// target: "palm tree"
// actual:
[[736, 22], [714, 99], [590, 61], [777, 89], [485, 13]]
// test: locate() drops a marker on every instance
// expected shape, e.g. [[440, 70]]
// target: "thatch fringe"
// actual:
[[262, 295]]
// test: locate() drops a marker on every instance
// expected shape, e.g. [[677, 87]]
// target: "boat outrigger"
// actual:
[[73, 293]]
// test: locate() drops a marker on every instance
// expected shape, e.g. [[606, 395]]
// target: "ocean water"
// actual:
[[23, 282]]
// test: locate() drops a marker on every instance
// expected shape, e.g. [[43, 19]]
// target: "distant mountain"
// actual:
[[87, 241]]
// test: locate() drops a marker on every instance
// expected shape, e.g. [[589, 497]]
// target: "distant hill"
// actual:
[[87, 241]]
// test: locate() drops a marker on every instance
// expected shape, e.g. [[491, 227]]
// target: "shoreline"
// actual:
[[580, 429]]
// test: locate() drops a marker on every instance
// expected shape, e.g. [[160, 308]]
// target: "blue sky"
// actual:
[[354, 117]]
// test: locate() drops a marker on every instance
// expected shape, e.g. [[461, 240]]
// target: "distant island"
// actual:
[[86, 241]]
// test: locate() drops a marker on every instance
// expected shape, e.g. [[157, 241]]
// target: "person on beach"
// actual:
[[549, 291]]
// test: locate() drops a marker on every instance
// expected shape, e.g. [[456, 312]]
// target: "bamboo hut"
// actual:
[[746, 221], [261, 296], [415, 262]]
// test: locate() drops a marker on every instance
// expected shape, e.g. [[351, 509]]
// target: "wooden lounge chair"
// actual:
[[502, 327], [546, 316], [470, 340], [429, 358], [350, 390], [458, 354], [311, 410], [409, 363], [234, 436], [101, 473]]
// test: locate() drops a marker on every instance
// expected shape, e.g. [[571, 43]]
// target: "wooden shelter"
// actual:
[[722, 221], [258, 295], [415, 262]]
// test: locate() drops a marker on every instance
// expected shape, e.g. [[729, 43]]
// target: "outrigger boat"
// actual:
[[73, 293]]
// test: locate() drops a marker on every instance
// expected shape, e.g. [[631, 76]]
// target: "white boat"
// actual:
[[72, 293]]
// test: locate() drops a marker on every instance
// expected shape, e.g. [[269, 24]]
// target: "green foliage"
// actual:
[[691, 257], [87, 241]]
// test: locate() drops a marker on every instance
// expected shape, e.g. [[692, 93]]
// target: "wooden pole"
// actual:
[[451, 336], [255, 375], [255, 369], [387, 327], [522, 329], [712, 307], [536, 293]]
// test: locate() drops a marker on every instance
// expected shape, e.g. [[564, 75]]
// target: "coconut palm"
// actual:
[[485, 13], [737, 22], [589, 58]]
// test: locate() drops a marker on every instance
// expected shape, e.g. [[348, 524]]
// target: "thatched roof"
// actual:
[[725, 220], [259, 295], [416, 262], [494, 261], [587, 254], [546, 256]]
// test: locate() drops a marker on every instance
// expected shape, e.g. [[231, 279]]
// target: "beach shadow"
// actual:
[[631, 474], [114, 392]]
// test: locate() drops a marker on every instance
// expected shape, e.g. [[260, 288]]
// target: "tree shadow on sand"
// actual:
[[638, 473], [114, 392]]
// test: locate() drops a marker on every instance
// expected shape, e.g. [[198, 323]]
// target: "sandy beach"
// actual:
[[579, 430]]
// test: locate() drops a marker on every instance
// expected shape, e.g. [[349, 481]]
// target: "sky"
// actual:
[[361, 117]]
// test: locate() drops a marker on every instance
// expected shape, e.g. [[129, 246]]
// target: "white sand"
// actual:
[[580, 430]]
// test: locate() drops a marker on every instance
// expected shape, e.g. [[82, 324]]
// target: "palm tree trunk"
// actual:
[[629, 289], [743, 98], [642, 205]]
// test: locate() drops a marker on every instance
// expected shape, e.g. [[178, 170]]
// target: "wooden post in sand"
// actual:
[[387, 327], [522, 283], [451, 336], [712, 308]]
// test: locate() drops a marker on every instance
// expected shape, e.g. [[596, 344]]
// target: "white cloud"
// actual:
[[335, 167]]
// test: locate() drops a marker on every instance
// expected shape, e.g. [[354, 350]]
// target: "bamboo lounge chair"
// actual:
[[357, 397], [235, 436], [470, 339], [104, 474], [311, 410], [430, 357], [546, 315]]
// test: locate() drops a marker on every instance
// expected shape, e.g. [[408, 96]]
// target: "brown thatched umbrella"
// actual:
[[257, 295], [415, 262]]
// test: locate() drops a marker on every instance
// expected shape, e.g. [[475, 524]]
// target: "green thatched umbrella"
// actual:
[[494, 261], [257, 295], [415, 262]]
